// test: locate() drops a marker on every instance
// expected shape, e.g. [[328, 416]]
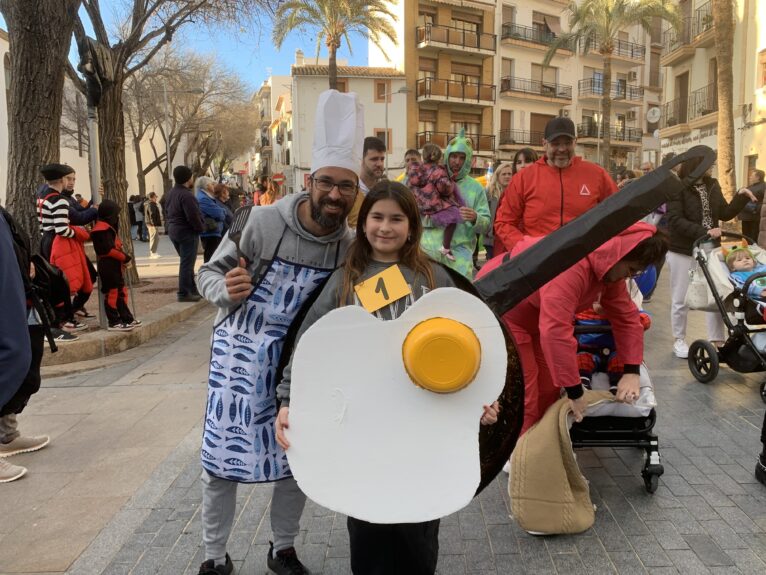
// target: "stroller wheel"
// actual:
[[762, 389], [703, 360], [651, 476]]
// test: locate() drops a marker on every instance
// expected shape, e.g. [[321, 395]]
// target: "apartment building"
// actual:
[[265, 100], [572, 85], [690, 109], [446, 50], [478, 65]]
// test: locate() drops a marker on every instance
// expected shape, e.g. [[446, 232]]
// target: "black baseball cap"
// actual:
[[559, 126]]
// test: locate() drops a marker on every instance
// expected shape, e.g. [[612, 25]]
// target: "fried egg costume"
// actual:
[[384, 415]]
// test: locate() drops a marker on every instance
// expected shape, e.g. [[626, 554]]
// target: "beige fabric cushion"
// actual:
[[548, 493]]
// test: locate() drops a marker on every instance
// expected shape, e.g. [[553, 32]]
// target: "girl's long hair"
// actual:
[[495, 190], [359, 255]]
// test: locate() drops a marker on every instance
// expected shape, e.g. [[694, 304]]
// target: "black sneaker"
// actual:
[[208, 568], [285, 562], [61, 336], [760, 469]]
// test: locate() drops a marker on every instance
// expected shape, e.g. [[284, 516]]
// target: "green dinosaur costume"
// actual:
[[464, 240]]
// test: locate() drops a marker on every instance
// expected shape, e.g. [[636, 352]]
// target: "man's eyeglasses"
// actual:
[[325, 185]]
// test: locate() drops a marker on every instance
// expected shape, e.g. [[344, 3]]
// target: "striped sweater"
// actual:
[[53, 213]]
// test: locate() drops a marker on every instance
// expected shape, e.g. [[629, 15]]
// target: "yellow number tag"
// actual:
[[382, 289]]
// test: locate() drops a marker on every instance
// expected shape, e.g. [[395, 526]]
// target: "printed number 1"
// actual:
[[381, 288]]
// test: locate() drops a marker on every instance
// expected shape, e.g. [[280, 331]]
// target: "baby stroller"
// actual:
[[619, 424], [745, 349]]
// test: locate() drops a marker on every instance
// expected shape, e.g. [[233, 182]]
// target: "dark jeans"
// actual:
[[411, 548], [210, 244], [31, 383], [750, 229], [187, 249]]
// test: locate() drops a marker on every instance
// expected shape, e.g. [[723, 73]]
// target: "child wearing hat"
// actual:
[[742, 265], [111, 264]]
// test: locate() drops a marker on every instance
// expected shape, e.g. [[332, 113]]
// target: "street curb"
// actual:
[[103, 343]]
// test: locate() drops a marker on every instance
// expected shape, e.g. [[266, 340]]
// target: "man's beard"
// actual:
[[327, 221]]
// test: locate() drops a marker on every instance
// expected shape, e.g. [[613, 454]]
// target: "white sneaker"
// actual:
[[680, 349], [154, 256], [10, 472]]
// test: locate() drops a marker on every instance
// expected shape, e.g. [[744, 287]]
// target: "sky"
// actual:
[[246, 49]]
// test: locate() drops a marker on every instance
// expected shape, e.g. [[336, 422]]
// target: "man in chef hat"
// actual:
[[286, 249]]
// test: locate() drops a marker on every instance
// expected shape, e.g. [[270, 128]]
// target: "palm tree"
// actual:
[[723, 17], [594, 25], [336, 19]]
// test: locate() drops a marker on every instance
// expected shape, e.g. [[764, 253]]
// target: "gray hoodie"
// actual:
[[263, 231]]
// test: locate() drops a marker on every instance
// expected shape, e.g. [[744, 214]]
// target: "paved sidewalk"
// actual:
[[118, 492]]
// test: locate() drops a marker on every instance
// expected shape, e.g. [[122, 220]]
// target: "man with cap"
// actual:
[[184, 224], [458, 156], [285, 252], [553, 191], [62, 242]]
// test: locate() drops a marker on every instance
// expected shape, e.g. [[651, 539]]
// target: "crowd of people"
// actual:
[[349, 224]]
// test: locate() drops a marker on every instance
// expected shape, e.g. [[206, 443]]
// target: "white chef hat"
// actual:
[[339, 132]]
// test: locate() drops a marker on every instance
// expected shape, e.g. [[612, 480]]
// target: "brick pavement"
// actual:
[[708, 515]]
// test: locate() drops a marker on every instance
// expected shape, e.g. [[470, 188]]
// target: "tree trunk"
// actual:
[[333, 67], [723, 18], [111, 133], [140, 169], [606, 115], [36, 31]]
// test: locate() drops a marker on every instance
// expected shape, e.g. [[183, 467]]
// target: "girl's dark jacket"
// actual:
[[685, 213], [111, 258]]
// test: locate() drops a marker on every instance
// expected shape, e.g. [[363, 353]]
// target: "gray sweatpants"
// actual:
[[9, 428], [219, 500]]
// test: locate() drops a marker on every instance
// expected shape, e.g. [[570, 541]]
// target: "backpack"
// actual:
[[38, 290]]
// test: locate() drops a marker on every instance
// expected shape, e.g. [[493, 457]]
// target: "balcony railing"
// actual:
[[456, 37], [521, 137], [620, 89], [455, 90], [674, 112], [481, 142], [528, 34], [536, 87], [617, 134], [622, 48], [703, 19], [673, 39], [703, 101]]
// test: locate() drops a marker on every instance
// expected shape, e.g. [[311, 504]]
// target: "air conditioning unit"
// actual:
[[632, 76], [631, 115], [564, 113]]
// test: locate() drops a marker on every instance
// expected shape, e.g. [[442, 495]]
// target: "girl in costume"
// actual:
[[438, 197], [387, 234]]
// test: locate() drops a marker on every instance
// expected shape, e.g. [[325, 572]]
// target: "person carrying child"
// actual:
[[388, 233], [742, 265], [111, 262], [437, 196]]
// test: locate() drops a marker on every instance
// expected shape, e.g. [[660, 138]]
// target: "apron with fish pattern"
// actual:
[[239, 440]]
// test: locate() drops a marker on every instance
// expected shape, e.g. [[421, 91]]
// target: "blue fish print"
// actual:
[[268, 381], [241, 440], [207, 455], [211, 403], [240, 320], [217, 375], [289, 297], [218, 351], [259, 385], [234, 461], [216, 364], [241, 380], [213, 435], [245, 348], [235, 429], [238, 471], [242, 338], [211, 424], [233, 410], [221, 342], [240, 371], [248, 415], [267, 468], [263, 419], [219, 409], [259, 322], [243, 357], [278, 296], [236, 448], [210, 443], [221, 332], [214, 383], [276, 332]]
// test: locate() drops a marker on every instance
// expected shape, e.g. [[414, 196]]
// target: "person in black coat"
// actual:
[[750, 216], [693, 213]]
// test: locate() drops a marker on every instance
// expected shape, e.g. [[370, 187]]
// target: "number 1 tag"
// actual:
[[382, 289]]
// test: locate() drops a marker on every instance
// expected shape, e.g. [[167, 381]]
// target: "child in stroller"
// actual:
[[739, 295], [617, 424]]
